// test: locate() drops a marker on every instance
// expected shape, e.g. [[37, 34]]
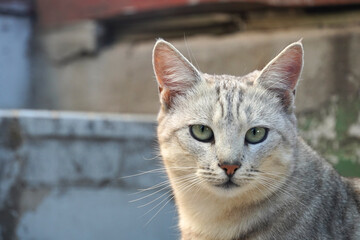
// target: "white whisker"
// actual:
[[149, 195], [162, 170], [154, 200], [266, 181], [159, 211]]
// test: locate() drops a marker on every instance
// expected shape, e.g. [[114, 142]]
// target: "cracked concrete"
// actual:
[[62, 174]]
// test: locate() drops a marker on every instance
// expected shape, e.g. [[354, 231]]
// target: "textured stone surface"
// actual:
[[9, 171], [71, 41], [72, 175], [121, 79]]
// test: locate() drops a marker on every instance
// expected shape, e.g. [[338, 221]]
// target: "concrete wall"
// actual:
[[15, 79], [120, 78], [64, 176]]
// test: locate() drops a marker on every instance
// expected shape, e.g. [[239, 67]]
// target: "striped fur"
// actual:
[[284, 189]]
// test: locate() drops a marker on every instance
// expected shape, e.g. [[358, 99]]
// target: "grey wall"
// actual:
[[15, 86], [66, 176]]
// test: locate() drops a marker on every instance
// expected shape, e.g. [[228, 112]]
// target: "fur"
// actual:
[[284, 190]]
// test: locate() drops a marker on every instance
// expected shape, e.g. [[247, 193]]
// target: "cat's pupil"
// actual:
[[254, 131], [202, 128]]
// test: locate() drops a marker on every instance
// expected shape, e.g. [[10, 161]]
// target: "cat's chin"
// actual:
[[228, 185], [227, 189]]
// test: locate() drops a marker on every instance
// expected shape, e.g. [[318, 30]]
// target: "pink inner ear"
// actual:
[[160, 65], [172, 70], [174, 73], [292, 67], [284, 71], [282, 74]]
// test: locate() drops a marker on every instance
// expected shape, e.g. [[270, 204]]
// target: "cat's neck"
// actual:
[[208, 217]]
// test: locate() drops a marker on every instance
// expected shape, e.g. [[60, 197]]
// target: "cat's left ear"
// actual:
[[281, 75], [174, 73]]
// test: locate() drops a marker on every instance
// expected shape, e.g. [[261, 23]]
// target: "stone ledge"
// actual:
[[80, 125], [87, 149]]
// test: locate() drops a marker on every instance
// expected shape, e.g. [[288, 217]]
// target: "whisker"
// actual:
[[181, 180], [262, 191], [146, 204], [190, 54], [265, 180], [160, 185], [158, 170], [281, 174], [189, 186], [288, 178], [146, 172], [149, 195], [183, 184], [166, 182], [156, 206], [158, 211]]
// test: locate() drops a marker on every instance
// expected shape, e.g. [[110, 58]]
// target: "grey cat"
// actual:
[[237, 167]]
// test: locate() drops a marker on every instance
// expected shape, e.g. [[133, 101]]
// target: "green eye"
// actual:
[[201, 133], [256, 135]]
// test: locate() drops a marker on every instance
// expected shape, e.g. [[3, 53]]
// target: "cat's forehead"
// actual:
[[226, 99], [231, 82]]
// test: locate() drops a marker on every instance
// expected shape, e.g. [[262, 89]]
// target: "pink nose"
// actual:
[[229, 169]]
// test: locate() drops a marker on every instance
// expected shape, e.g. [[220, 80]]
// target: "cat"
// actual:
[[236, 164]]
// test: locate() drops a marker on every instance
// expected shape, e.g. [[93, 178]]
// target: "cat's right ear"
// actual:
[[174, 73], [281, 75]]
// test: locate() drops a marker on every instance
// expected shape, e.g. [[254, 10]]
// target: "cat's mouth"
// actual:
[[228, 185]]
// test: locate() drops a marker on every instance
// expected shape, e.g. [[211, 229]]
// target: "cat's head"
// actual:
[[223, 133]]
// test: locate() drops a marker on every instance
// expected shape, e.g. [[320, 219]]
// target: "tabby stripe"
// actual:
[[239, 101], [229, 115]]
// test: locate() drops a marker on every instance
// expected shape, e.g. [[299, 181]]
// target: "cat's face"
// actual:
[[226, 134]]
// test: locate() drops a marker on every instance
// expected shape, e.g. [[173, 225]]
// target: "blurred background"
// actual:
[[78, 101]]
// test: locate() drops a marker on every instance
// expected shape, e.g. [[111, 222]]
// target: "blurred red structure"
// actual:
[[54, 12]]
